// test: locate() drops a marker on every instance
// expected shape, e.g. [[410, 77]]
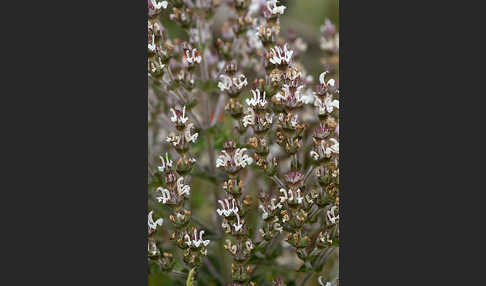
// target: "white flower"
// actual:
[[151, 46], [237, 225], [157, 6], [299, 95], [331, 216], [265, 213], [330, 103], [294, 121], [165, 195], [249, 119], [335, 147], [226, 210], [239, 159], [298, 197], [327, 106], [284, 197], [290, 197], [225, 83], [323, 81], [177, 117], [242, 159], [222, 160], [331, 149], [331, 44], [197, 240], [153, 224], [326, 149], [280, 56], [231, 248], [257, 101], [319, 279], [240, 81], [274, 9], [325, 238], [187, 133], [268, 118], [296, 99], [173, 139], [181, 188], [165, 164], [192, 57]]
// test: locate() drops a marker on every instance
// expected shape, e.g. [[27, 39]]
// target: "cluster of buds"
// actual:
[[325, 157], [232, 83], [329, 43], [257, 115], [233, 159], [329, 37], [158, 46]]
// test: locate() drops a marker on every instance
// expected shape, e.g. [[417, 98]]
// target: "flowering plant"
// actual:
[[245, 147]]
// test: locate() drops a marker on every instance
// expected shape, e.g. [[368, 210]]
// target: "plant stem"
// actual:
[[219, 108], [213, 271], [278, 181], [307, 174], [306, 278]]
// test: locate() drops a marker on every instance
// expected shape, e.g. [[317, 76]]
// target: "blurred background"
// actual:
[[304, 17]]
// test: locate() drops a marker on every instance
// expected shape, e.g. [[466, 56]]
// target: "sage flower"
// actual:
[[165, 164], [333, 218], [226, 209], [153, 224], [196, 240], [280, 55]]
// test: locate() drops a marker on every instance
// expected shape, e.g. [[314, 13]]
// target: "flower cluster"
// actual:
[[329, 37], [268, 131], [232, 160], [329, 43], [175, 191], [233, 208]]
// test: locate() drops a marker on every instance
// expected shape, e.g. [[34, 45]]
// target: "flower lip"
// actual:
[[166, 165], [179, 116], [153, 224], [258, 100], [280, 56], [197, 240], [271, 9], [226, 209], [191, 57]]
